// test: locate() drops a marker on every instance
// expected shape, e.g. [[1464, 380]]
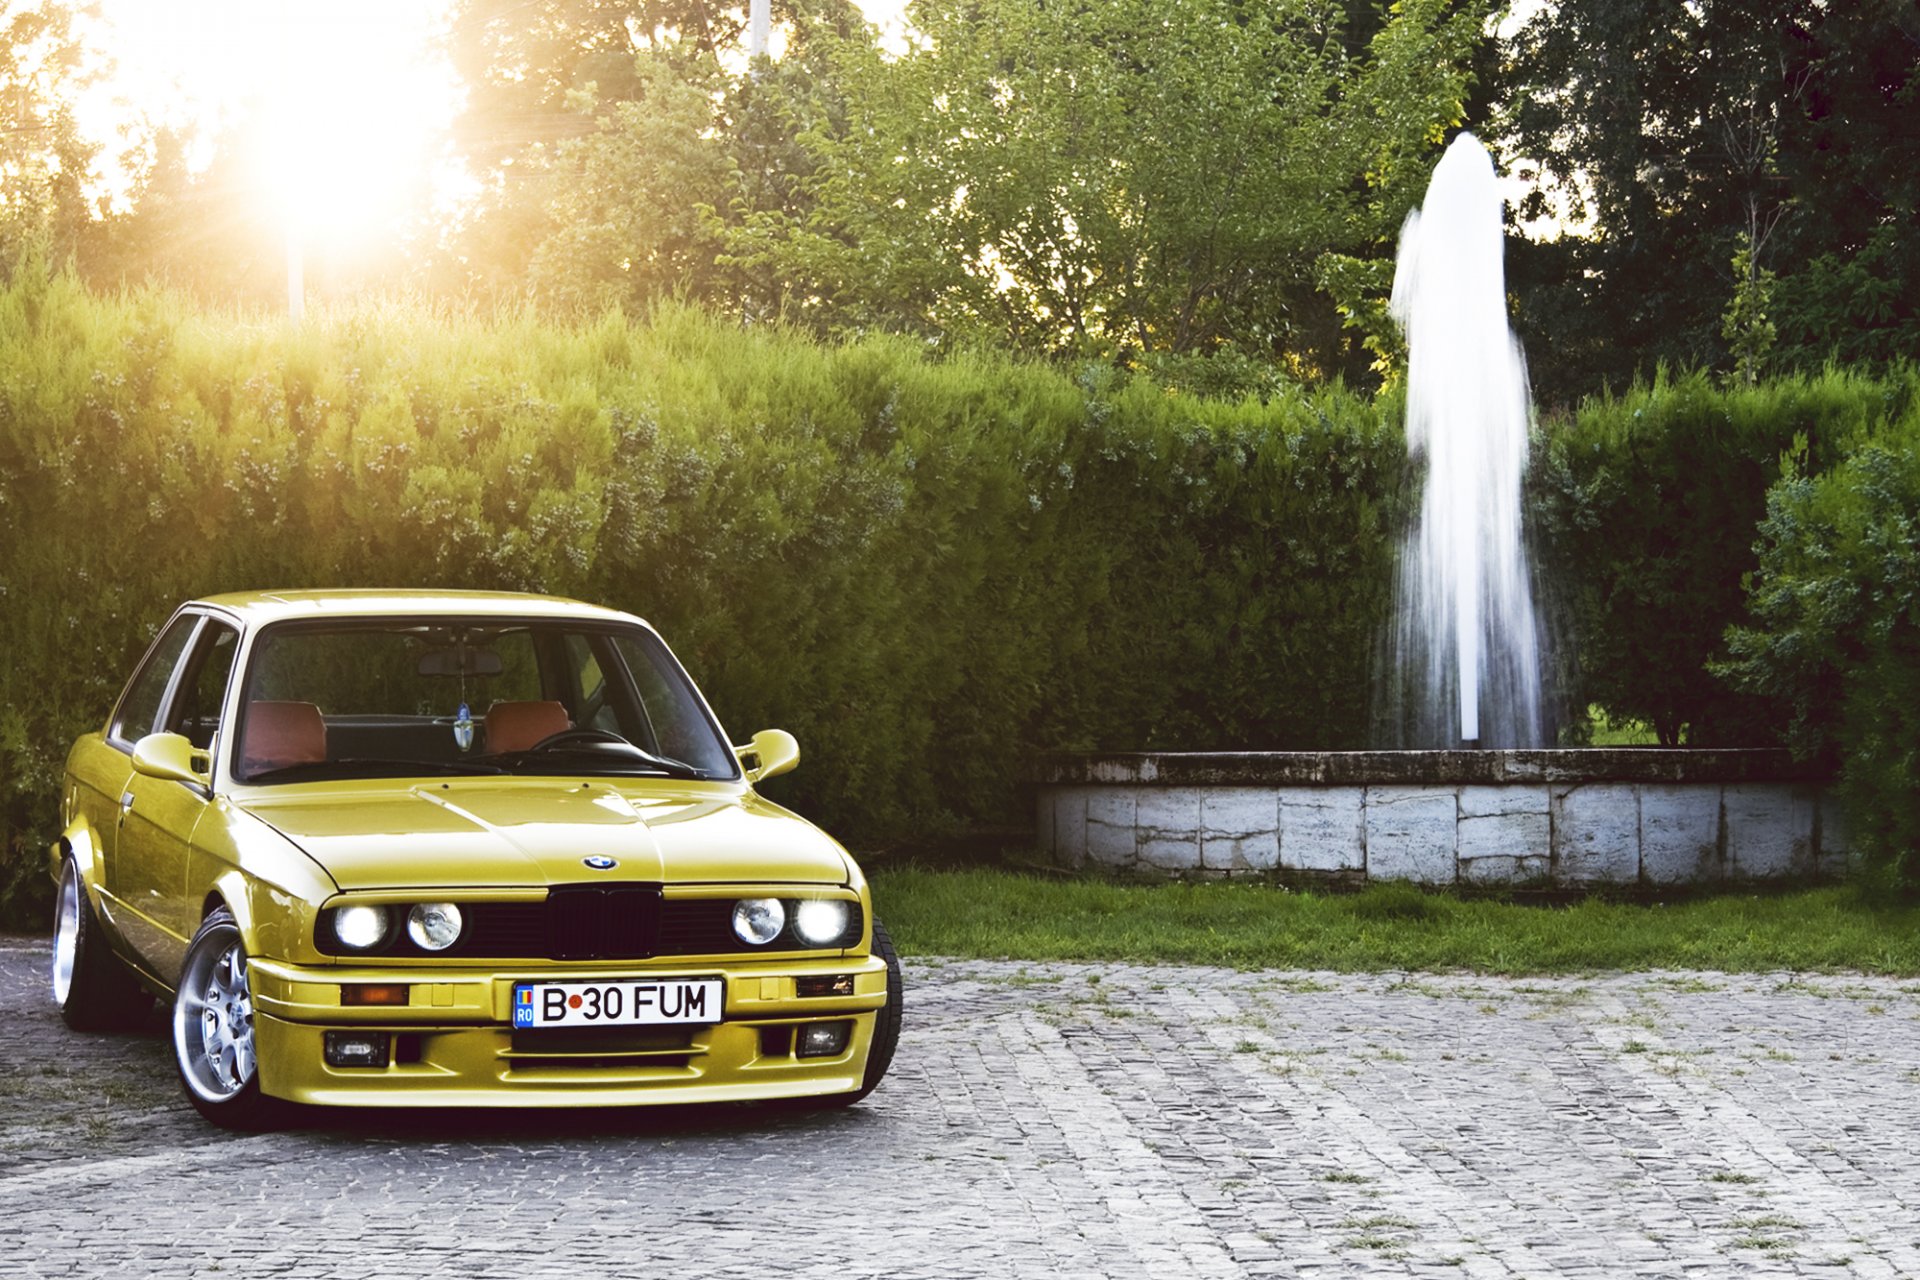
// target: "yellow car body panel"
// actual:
[[156, 855]]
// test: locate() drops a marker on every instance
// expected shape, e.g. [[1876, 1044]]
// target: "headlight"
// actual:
[[759, 920], [361, 928], [434, 926], [819, 922]]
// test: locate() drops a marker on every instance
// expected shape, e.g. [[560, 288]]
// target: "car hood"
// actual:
[[529, 832]]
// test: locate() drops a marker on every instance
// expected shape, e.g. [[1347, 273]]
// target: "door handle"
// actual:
[[126, 803]]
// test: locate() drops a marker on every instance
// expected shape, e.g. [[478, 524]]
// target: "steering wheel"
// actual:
[[583, 736]]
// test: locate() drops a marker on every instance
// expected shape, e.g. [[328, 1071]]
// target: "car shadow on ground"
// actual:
[[439, 1126]]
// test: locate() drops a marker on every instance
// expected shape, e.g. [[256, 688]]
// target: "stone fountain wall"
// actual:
[[1585, 817]]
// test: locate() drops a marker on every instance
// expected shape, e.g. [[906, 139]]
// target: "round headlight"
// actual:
[[360, 928], [434, 926], [759, 920], [820, 921]]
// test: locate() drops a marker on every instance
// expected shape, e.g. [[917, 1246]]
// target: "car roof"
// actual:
[[260, 607]]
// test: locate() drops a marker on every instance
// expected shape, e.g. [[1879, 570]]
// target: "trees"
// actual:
[[615, 140], [1135, 176], [1775, 134], [44, 161]]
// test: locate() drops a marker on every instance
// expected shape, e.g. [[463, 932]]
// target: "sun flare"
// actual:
[[342, 106]]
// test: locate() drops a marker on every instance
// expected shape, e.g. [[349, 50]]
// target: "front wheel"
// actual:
[[886, 1025], [94, 989], [213, 1029]]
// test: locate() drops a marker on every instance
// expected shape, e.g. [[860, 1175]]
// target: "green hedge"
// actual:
[[1645, 507], [926, 569]]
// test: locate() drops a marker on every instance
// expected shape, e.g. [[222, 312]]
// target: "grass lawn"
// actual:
[[1007, 914]]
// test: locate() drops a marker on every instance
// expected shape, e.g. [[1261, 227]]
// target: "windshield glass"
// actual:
[[441, 697]]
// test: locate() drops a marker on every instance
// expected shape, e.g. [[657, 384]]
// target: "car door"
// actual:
[[106, 787], [158, 815]]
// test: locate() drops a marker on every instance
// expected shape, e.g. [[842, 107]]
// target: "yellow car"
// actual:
[[456, 849]]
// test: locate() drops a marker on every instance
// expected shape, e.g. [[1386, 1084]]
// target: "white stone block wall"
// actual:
[[1566, 833]]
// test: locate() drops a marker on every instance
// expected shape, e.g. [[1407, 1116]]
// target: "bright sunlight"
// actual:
[[343, 105]]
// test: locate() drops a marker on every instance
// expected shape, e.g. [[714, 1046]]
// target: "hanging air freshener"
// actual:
[[463, 727]]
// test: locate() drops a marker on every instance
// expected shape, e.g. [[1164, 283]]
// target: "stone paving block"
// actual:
[[1596, 834], [1080, 1121], [1769, 831], [1679, 833], [1240, 829], [1169, 822], [1112, 837], [1411, 834], [1323, 829]]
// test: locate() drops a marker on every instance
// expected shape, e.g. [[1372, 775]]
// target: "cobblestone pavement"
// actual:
[[1062, 1120]]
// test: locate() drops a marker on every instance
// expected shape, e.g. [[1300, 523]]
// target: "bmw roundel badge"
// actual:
[[600, 862]]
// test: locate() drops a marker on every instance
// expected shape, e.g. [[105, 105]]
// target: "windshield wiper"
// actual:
[[611, 757]]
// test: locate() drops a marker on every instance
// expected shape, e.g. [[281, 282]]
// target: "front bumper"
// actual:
[[453, 1044]]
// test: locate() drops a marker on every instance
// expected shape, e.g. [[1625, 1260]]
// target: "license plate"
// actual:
[[631, 1002]]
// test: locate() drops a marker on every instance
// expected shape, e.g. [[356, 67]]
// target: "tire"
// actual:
[[93, 987], [886, 1026], [213, 1044]]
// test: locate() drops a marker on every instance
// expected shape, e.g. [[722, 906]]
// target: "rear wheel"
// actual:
[[213, 1030], [93, 987], [886, 1025]]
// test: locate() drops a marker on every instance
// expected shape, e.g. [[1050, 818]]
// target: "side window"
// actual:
[[595, 711], [140, 704], [196, 703]]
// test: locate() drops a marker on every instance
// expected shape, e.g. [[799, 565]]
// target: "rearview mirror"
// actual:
[[774, 751], [460, 660], [168, 755]]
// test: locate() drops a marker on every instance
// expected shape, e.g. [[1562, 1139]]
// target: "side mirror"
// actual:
[[774, 750], [168, 755]]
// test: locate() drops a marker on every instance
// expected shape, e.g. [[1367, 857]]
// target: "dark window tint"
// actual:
[[140, 705], [196, 704]]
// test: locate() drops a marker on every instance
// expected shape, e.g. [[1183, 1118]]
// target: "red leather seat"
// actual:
[[279, 734], [515, 726]]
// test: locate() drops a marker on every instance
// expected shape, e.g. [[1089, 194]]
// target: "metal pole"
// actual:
[[759, 19], [296, 247], [296, 273]]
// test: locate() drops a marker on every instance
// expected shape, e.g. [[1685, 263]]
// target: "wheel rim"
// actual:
[[213, 1018], [66, 935]]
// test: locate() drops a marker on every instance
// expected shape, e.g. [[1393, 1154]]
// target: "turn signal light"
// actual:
[[369, 993], [832, 984]]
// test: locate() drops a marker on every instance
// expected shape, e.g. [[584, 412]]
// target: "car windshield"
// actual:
[[439, 697]]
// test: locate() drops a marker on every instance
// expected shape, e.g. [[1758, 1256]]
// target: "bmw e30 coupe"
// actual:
[[456, 849]]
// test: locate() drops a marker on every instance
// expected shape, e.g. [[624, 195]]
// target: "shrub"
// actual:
[[1835, 634]]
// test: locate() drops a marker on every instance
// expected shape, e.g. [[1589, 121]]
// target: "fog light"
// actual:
[[824, 1039], [355, 1049], [828, 984]]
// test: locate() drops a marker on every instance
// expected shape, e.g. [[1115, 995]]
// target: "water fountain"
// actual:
[[1465, 638], [1462, 670]]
